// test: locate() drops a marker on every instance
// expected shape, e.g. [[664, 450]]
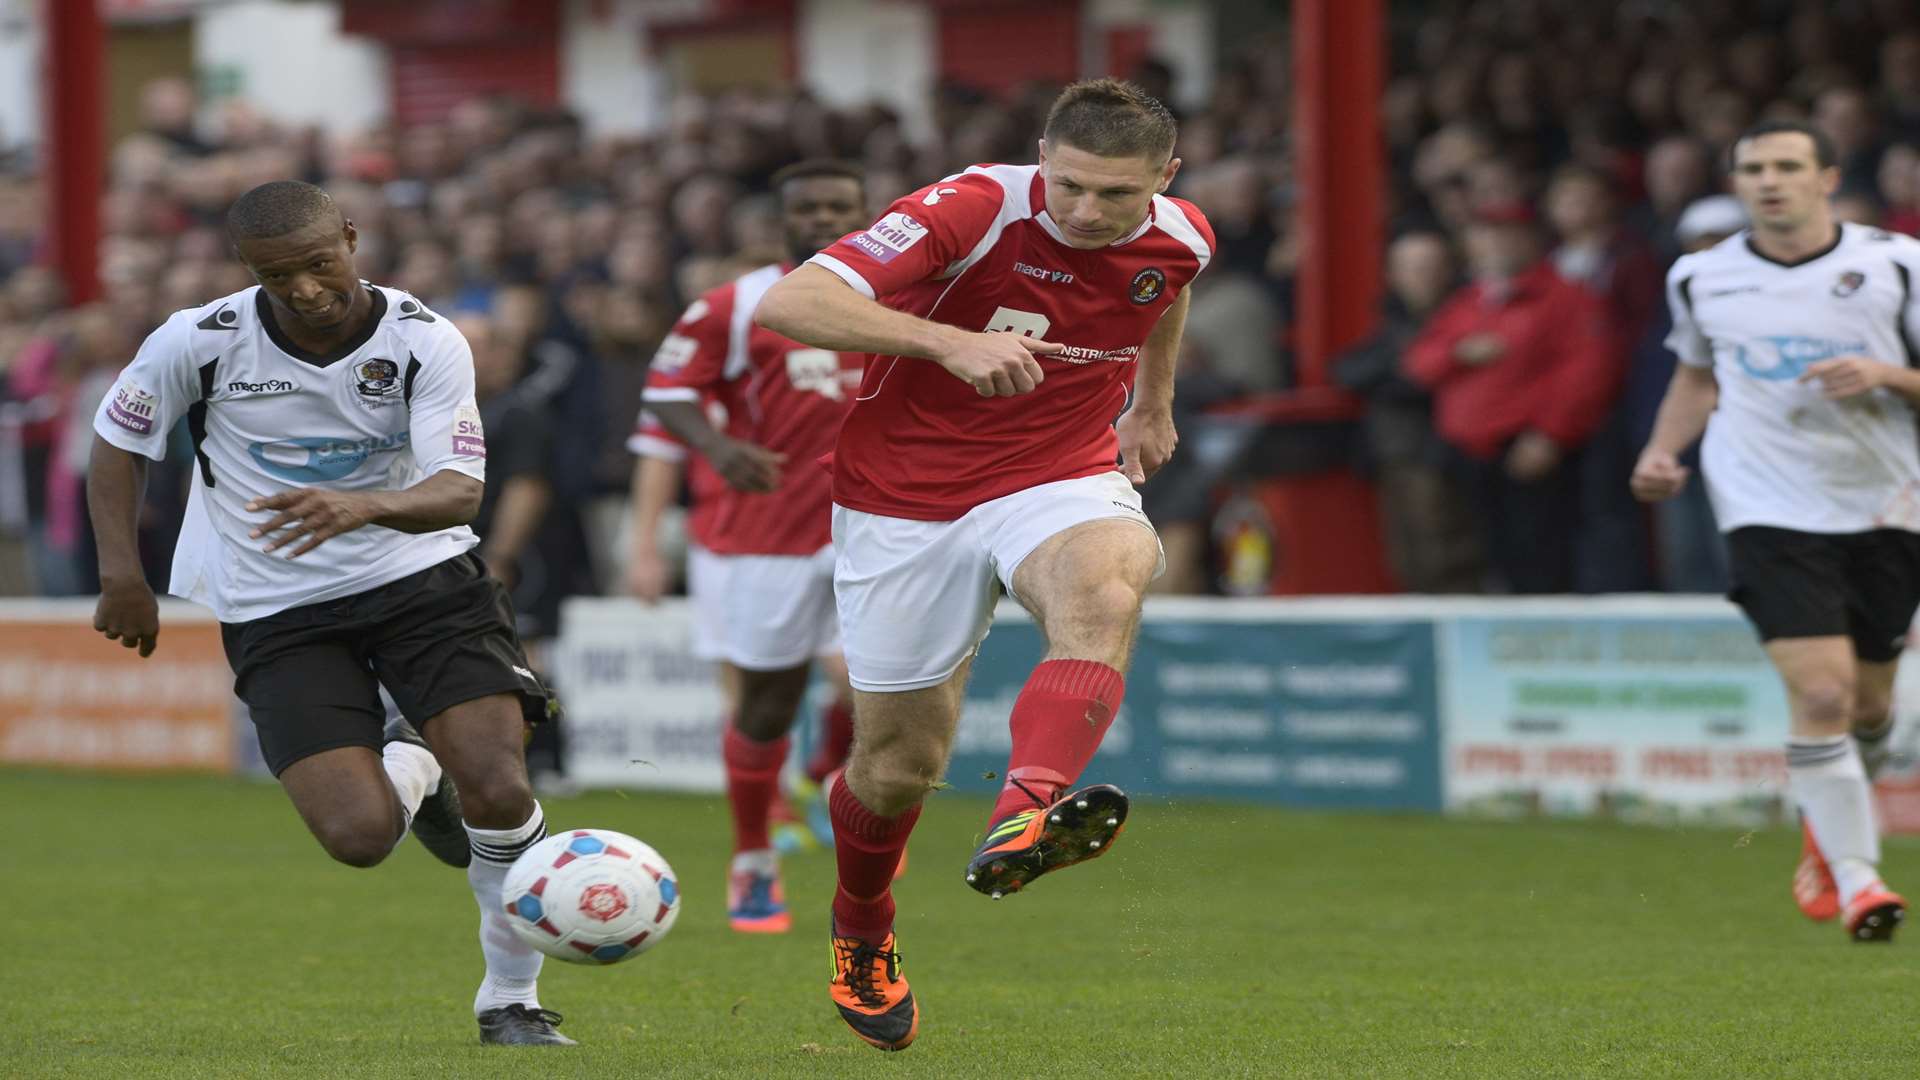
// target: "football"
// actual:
[[592, 896]]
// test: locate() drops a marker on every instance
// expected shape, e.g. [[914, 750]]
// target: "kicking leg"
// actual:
[[1084, 586], [481, 743]]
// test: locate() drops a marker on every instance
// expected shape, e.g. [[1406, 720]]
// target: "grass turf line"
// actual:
[[188, 927]]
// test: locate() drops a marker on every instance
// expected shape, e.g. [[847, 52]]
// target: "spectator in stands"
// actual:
[[520, 452], [1900, 85], [1430, 537], [1845, 115], [1678, 171], [1610, 547], [1857, 208], [1523, 369], [1900, 187]]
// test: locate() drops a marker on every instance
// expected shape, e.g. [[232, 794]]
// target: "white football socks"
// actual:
[[1826, 779], [513, 966], [414, 773]]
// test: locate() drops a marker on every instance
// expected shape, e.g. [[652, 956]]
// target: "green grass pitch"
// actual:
[[188, 927]]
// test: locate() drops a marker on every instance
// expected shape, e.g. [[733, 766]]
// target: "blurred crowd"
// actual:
[[1548, 159], [1551, 160]]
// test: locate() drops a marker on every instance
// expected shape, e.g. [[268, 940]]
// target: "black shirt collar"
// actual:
[[1839, 233], [347, 348]]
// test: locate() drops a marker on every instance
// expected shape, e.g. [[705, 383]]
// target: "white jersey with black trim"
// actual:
[[1777, 452], [382, 412]]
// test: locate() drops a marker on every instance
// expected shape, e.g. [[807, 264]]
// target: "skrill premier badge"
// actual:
[[469, 438], [133, 408]]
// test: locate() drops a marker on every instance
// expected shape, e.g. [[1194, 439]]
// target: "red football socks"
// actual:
[[867, 847], [753, 783], [1058, 721], [836, 739]]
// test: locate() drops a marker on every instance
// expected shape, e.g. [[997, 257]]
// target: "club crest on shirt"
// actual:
[[1147, 285], [377, 381], [1849, 283]]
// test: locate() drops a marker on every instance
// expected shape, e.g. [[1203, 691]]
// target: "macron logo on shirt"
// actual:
[[890, 237]]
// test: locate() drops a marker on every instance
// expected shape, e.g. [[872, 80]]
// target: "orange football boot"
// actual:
[[871, 993], [1019, 848], [1875, 914], [1813, 887]]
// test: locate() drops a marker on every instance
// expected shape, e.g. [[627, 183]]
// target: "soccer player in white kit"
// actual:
[[339, 456], [1798, 342]]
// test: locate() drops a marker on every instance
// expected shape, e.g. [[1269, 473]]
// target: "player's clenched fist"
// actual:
[[997, 364], [129, 614], [315, 513], [1658, 475]]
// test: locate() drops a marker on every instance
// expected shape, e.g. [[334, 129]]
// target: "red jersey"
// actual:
[[778, 393], [704, 486], [978, 251]]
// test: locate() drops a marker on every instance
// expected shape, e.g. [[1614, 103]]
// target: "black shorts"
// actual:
[[1864, 586], [311, 675]]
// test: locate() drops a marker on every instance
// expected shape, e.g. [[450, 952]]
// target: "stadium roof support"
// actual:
[[75, 139], [1339, 58]]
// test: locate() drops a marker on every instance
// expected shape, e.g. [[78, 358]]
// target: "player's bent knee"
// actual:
[[361, 843], [500, 798], [1826, 704], [1114, 604], [897, 783]]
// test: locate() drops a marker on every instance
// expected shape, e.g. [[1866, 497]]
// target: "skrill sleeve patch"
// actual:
[[469, 437], [890, 237], [133, 408]]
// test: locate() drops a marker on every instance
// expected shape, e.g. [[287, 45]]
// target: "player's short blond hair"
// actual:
[[1111, 118]]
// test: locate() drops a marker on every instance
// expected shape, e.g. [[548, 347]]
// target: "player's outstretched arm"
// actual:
[[1691, 398], [815, 306], [116, 484], [316, 515]]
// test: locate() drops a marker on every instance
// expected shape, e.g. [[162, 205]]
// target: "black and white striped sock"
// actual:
[[503, 846], [513, 966]]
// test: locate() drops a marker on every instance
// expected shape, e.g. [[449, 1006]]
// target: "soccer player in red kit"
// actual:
[[770, 535], [1006, 311]]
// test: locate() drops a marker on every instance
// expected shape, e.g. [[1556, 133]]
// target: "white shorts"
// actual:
[[762, 612], [916, 597]]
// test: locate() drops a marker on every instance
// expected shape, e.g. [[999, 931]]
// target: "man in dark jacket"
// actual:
[[1431, 540]]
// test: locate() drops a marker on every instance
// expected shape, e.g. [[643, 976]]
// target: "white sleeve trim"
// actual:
[[748, 291], [653, 446], [844, 272], [1173, 221], [670, 393]]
